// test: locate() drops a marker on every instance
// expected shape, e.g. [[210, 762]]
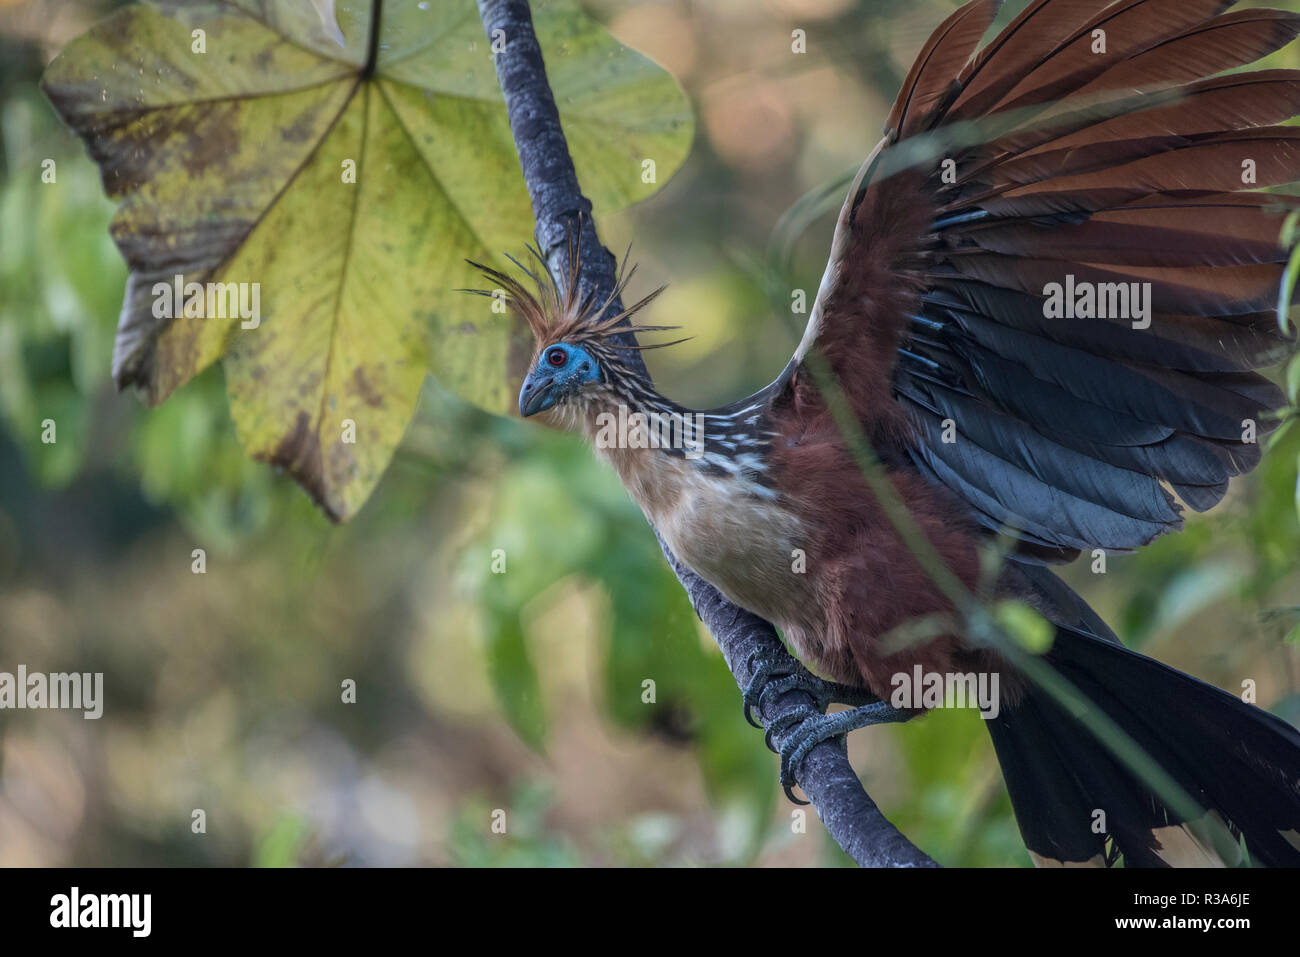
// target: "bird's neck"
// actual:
[[640, 420], [665, 453], [651, 442]]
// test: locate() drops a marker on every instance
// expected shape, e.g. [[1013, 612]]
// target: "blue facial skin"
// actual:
[[561, 369]]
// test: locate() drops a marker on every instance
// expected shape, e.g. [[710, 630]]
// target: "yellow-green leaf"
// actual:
[[271, 147]]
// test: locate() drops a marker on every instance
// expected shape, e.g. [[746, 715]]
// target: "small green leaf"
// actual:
[[514, 678], [1026, 627]]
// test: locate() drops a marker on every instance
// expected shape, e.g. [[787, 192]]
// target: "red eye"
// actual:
[[557, 357]]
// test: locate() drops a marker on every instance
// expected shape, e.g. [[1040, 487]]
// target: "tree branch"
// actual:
[[825, 776]]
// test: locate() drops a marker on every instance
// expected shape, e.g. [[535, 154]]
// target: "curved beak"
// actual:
[[534, 395]]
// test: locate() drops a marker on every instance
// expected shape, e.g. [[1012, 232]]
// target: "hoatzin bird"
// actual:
[[1060, 254]]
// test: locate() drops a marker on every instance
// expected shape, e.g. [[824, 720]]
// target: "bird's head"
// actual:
[[580, 363], [560, 372]]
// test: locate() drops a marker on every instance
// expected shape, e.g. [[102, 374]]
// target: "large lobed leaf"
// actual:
[[229, 166]]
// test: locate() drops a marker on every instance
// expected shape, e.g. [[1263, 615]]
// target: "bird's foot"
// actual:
[[810, 723], [769, 678], [814, 728]]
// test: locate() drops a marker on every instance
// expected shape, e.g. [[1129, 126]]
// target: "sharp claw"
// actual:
[[782, 723], [790, 794], [790, 761], [813, 729], [753, 694], [760, 681], [811, 725]]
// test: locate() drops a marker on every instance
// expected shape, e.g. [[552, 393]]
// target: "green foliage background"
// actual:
[[479, 692]]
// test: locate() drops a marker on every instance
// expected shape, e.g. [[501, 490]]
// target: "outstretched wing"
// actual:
[[1059, 267]]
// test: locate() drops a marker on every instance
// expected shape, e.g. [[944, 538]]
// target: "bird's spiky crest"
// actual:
[[557, 314]]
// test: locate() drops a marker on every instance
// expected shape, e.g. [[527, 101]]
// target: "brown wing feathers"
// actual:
[[1235, 102], [1130, 27], [1199, 166], [1221, 43], [1159, 232], [934, 72], [1040, 31], [1132, 164]]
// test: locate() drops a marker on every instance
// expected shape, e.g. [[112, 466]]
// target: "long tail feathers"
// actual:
[[1077, 805]]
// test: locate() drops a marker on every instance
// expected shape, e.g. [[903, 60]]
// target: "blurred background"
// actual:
[[478, 693]]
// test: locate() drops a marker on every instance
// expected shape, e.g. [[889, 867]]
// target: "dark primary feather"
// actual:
[[1194, 343], [1215, 231], [1190, 290]]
